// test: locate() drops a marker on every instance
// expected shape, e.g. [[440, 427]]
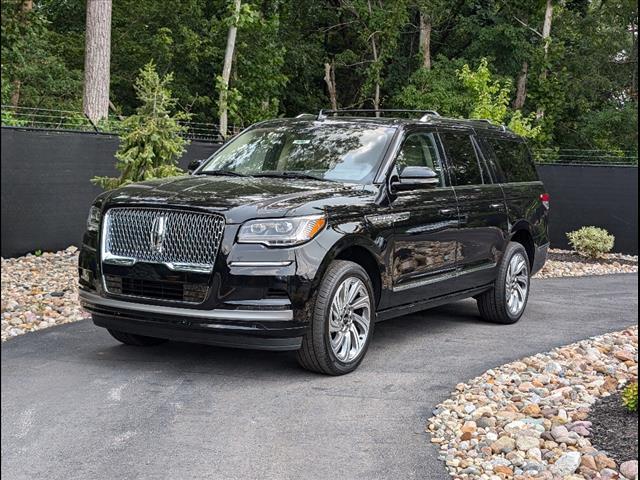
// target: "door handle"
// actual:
[[496, 206], [447, 211]]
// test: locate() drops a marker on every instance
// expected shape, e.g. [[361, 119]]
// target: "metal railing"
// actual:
[[70, 120], [571, 156], [52, 119]]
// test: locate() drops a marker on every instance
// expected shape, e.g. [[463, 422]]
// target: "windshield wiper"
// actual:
[[291, 174], [228, 173]]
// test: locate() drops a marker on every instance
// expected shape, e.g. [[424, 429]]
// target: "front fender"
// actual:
[[333, 242]]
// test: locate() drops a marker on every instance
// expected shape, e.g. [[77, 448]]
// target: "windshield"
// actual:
[[338, 152]]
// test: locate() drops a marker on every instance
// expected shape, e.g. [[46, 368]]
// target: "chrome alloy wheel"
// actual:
[[517, 284], [349, 320]]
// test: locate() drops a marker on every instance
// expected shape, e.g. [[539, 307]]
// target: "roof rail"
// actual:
[[324, 113], [472, 120]]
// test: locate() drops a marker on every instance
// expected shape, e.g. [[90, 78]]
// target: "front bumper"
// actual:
[[240, 328]]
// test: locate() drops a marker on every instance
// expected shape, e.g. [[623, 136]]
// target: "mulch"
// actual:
[[615, 430]]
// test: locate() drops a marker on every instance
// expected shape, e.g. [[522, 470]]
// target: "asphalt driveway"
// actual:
[[77, 405]]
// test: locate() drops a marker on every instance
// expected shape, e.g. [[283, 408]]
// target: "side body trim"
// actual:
[[444, 276]]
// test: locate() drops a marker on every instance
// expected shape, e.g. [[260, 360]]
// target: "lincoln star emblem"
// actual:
[[158, 232]]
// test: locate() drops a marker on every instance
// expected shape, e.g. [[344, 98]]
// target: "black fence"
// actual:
[[602, 196], [46, 191]]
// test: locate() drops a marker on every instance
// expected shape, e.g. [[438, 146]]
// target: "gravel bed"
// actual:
[[530, 419], [39, 292], [565, 263], [615, 430]]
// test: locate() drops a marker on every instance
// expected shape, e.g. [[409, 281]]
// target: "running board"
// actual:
[[401, 310]]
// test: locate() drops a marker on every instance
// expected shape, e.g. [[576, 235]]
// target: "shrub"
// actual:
[[591, 241], [630, 397], [151, 143]]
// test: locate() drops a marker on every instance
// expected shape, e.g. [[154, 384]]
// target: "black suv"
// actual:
[[300, 234]]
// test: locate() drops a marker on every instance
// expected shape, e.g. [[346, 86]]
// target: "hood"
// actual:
[[239, 198]]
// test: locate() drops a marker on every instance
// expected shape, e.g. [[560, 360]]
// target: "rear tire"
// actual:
[[136, 340], [506, 301], [342, 318]]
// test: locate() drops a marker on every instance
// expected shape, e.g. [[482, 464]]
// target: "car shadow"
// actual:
[[215, 360]]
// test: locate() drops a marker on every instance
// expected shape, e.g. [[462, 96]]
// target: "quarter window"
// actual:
[[514, 159], [462, 158], [419, 150]]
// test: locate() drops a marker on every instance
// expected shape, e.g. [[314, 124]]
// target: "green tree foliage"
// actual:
[[588, 91], [491, 100], [259, 81], [33, 73], [437, 89], [152, 142], [377, 28]]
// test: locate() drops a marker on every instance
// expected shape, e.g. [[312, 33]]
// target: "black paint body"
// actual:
[[439, 244]]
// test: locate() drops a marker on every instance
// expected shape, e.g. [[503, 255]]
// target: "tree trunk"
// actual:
[[425, 41], [546, 35], [374, 48], [546, 27], [15, 92], [97, 60], [521, 87], [634, 56], [330, 80], [226, 69]]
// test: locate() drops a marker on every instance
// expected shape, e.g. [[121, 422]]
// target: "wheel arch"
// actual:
[[362, 251], [521, 233]]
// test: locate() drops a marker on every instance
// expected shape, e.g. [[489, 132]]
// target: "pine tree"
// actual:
[[152, 143]]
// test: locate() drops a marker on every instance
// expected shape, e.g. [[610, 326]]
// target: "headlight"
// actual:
[[93, 220], [281, 232]]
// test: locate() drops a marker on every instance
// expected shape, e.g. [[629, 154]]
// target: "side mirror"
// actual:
[[413, 178], [194, 165]]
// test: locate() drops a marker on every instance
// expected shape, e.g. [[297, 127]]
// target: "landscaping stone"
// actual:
[[39, 292], [566, 464], [531, 419], [630, 469], [565, 263], [503, 445]]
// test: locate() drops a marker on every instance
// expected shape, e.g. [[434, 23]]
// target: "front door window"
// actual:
[[419, 150]]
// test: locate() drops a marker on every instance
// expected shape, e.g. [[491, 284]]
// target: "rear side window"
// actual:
[[462, 158], [514, 159]]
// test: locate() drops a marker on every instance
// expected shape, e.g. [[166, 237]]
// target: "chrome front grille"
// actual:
[[181, 240]]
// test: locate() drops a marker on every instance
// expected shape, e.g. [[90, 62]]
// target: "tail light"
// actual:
[[544, 199]]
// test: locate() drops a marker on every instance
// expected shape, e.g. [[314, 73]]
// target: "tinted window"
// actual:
[[462, 158], [490, 162], [419, 150], [514, 159]]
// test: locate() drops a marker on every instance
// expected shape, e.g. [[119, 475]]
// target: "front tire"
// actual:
[[506, 301], [136, 340], [343, 314]]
